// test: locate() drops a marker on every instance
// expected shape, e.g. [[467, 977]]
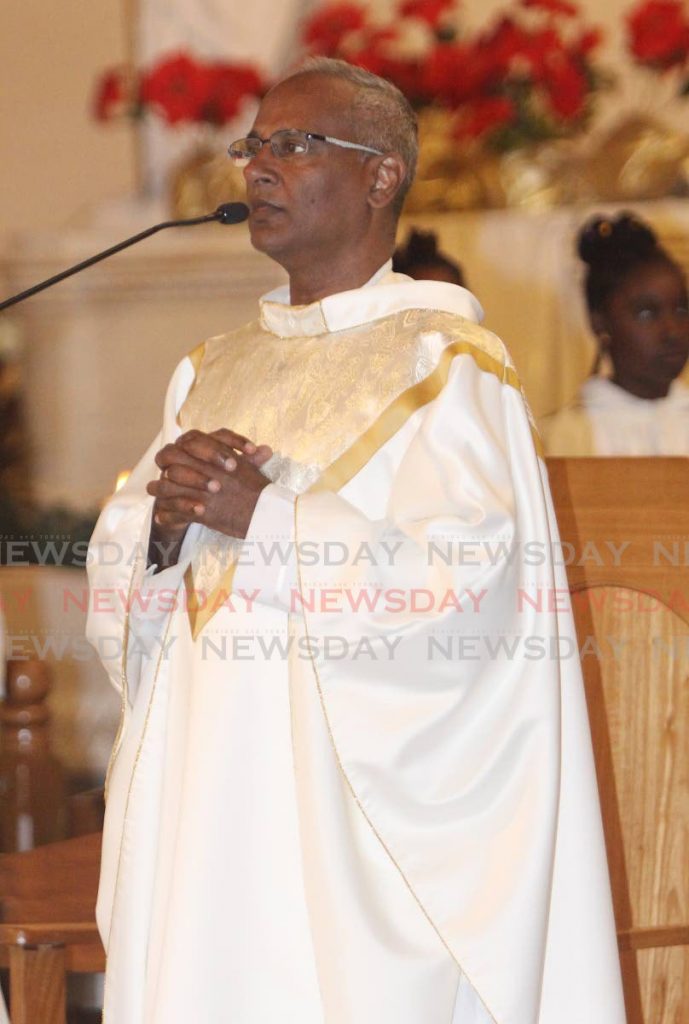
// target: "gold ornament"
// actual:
[[453, 175], [640, 159], [204, 180]]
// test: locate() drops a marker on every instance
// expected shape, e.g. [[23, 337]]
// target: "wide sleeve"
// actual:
[[439, 632], [117, 555]]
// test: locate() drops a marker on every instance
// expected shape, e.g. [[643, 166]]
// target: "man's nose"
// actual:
[[262, 167]]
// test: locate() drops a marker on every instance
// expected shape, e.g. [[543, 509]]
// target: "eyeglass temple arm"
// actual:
[[348, 145]]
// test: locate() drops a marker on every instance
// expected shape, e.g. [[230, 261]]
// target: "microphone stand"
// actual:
[[226, 213]]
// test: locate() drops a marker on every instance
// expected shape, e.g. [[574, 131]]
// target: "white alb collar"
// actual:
[[384, 294]]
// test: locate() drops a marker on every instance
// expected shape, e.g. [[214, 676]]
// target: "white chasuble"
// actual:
[[353, 782]]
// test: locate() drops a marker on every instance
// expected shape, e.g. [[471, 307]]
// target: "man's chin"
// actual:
[[265, 238]]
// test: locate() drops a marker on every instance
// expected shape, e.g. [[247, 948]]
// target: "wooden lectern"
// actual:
[[625, 539]]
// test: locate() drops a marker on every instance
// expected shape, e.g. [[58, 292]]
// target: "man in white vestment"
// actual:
[[353, 782]]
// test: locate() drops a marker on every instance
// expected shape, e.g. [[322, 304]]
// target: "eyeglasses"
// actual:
[[286, 143]]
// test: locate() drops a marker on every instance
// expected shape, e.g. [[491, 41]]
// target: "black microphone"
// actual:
[[231, 213], [226, 213]]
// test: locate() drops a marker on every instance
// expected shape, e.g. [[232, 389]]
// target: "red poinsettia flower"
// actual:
[[541, 50], [566, 86], [589, 40], [229, 84], [659, 33], [454, 73], [325, 29], [110, 97], [484, 115], [501, 76], [371, 41], [177, 88], [502, 45], [373, 52], [430, 11], [562, 7], [405, 74]]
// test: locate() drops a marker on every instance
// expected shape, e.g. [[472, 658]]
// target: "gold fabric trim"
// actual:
[[199, 613], [353, 792], [398, 412], [131, 785], [195, 357], [124, 685]]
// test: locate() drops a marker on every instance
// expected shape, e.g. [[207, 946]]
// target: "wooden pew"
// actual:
[[624, 524]]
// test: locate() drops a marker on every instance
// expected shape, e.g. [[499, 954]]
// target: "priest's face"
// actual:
[[310, 207]]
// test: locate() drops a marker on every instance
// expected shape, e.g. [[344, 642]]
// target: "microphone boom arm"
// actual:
[[227, 213]]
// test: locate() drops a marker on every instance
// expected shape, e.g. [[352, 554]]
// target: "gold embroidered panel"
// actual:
[[310, 397]]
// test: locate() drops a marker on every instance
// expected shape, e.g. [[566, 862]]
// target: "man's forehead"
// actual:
[[313, 102]]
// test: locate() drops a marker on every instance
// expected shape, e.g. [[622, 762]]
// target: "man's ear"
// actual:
[[386, 180]]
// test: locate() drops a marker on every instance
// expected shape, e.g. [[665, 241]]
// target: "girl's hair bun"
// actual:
[[603, 239], [421, 250]]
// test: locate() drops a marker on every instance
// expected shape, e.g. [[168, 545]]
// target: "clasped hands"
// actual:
[[214, 479]]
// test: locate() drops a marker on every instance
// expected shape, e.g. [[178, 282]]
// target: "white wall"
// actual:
[[53, 157]]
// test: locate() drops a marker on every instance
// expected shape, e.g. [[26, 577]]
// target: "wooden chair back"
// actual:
[[47, 924], [624, 524]]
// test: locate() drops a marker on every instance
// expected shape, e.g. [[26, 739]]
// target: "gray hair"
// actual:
[[382, 116]]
